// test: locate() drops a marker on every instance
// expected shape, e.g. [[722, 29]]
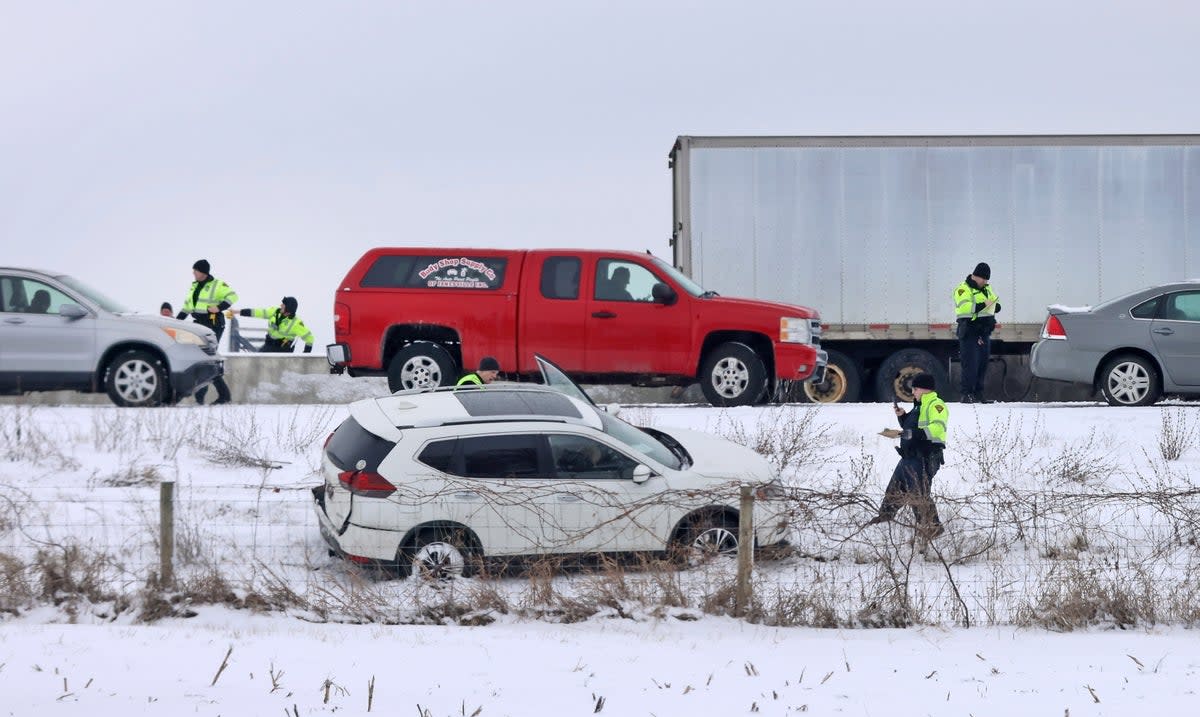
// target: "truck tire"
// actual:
[[421, 364], [842, 384], [894, 377], [733, 375]]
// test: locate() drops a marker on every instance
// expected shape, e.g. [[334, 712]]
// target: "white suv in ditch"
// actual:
[[433, 481]]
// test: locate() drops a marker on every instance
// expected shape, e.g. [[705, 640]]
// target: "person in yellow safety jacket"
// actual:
[[488, 369], [922, 437], [206, 301], [975, 308], [283, 327]]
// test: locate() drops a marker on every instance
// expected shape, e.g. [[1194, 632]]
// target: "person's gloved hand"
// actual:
[[246, 312], [229, 313], [307, 348], [891, 433]]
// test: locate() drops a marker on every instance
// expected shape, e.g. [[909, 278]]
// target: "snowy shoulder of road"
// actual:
[[223, 663]]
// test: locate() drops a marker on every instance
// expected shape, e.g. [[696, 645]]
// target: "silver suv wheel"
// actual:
[[137, 378]]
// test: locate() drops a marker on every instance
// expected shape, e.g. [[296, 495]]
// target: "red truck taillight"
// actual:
[[341, 319]]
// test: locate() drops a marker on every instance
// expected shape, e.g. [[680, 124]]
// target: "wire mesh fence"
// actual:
[[1111, 558], [1089, 539]]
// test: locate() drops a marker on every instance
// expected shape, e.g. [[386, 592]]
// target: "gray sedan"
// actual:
[[1134, 349]]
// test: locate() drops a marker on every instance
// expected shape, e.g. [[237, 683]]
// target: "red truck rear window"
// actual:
[[435, 271]]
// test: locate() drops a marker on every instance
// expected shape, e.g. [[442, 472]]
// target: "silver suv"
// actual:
[[56, 333]]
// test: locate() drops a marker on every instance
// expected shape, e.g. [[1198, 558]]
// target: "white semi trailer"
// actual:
[[876, 232]]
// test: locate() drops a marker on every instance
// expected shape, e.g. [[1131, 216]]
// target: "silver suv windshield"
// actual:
[[92, 295]]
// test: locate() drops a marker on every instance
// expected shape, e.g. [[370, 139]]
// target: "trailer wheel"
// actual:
[[842, 384], [893, 380], [421, 364], [733, 375]]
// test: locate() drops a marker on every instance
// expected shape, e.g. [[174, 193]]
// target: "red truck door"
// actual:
[[552, 311], [627, 331]]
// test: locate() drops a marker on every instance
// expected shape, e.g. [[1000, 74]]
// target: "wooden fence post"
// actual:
[[745, 558], [166, 534]]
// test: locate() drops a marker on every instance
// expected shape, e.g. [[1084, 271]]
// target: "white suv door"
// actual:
[[608, 510]]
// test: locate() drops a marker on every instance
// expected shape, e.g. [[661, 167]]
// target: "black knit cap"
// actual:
[[983, 271], [201, 266], [924, 380], [290, 304], [166, 305], [489, 363]]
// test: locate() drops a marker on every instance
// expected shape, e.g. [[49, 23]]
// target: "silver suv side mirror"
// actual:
[[72, 311]]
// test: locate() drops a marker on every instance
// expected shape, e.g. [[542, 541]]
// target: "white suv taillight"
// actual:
[[366, 484], [1053, 329]]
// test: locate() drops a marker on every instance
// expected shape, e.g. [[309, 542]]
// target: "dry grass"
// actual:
[[1057, 557]]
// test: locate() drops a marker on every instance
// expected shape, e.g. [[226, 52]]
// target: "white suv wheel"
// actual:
[[438, 561]]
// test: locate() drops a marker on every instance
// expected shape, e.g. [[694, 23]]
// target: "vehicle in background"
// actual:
[[56, 333], [1134, 349], [434, 481], [422, 316], [876, 232]]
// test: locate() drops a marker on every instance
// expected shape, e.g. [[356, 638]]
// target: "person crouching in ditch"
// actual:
[[922, 437]]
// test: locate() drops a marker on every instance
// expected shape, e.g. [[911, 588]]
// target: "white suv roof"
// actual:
[[387, 416]]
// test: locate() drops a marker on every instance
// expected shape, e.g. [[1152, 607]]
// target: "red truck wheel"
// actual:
[[733, 375], [421, 364]]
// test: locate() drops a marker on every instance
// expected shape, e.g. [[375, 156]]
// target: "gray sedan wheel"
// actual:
[[1130, 380], [136, 379]]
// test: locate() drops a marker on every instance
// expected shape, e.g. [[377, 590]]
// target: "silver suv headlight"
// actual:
[[794, 331], [183, 336]]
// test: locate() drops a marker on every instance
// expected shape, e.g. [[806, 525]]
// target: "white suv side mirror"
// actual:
[[641, 473]]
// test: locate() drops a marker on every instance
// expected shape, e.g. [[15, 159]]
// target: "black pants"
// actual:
[[973, 353], [910, 485], [219, 382]]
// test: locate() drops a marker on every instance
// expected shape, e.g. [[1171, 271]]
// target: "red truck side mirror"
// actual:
[[663, 294]]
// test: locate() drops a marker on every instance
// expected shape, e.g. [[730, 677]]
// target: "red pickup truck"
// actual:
[[420, 316]]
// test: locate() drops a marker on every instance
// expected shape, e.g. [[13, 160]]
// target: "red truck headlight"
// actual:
[[794, 331]]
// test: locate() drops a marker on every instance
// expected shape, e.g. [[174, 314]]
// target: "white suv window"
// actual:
[[508, 456], [584, 458]]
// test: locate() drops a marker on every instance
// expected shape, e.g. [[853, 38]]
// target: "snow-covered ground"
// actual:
[[1058, 515]]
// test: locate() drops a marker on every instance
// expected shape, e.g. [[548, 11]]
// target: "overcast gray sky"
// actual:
[[280, 140]]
